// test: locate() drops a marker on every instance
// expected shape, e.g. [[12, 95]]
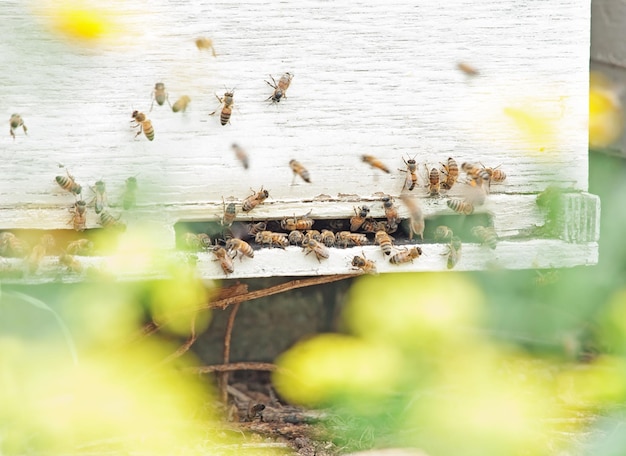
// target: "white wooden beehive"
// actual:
[[369, 78]]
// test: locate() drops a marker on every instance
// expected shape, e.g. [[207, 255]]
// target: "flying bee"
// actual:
[[254, 200], [295, 237], [235, 245], [416, 217], [203, 44], [226, 262], [129, 198], [391, 212], [346, 238], [433, 182], [375, 163], [460, 206], [299, 170], [475, 173], [108, 221], [196, 242], [256, 228], [226, 105], [313, 234], [80, 247], [319, 250], [270, 238], [181, 104], [454, 252], [443, 233], [486, 235], [100, 200], [406, 255], [385, 241], [468, 69], [144, 125], [359, 217], [68, 183], [411, 173], [230, 212], [79, 216], [241, 155], [451, 172], [495, 174], [71, 263], [297, 223], [363, 264], [328, 238], [39, 251], [12, 246], [15, 122], [160, 95]]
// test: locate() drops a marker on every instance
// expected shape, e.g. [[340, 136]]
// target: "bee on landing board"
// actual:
[[495, 175], [230, 212], [226, 105], [454, 252], [196, 242], [468, 69], [385, 241], [391, 212], [461, 206], [226, 262], [241, 155], [15, 122], [181, 104], [205, 44], [160, 95], [299, 170], [363, 264], [270, 238], [346, 238], [475, 173], [328, 238], [451, 172], [486, 235], [295, 237], [375, 163], [144, 125], [110, 222], [256, 228], [319, 250], [79, 216], [129, 198], [433, 182], [68, 183], [359, 217], [100, 200], [411, 173], [416, 216], [297, 223], [254, 200], [406, 255], [280, 88], [443, 233], [237, 246]]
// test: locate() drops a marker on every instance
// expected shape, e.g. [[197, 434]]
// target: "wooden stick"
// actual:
[[227, 337], [231, 367]]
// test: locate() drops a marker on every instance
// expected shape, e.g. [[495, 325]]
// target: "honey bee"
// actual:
[[79, 216], [230, 212], [391, 212], [79, 247], [443, 233], [203, 43], [254, 410], [319, 250], [359, 217], [108, 221], [144, 125], [451, 172], [371, 226], [495, 174], [346, 238], [385, 241], [486, 235], [68, 183], [460, 206], [406, 255], [454, 252], [280, 89], [39, 251], [226, 262], [71, 263], [101, 196], [181, 104], [15, 122], [468, 69], [475, 173], [226, 104], [411, 173], [255, 228], [363, 264], [129, 198], [12, 246], [284, 82], [254, 200], [433, 182], [196, 242], [295, 237], [297, 223], [375, 163], [313, 234], [270, 238], [241, 155], [160, 95], [328, 238], [416, 217], [235, 245], [299, 170]]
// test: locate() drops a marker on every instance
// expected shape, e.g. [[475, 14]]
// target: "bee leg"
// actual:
[[25, 129], [12, 134], [140, 131]]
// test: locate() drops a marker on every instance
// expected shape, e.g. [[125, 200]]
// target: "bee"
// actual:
[[416, 217], [475, 173], [318, 249], [39, 251], [108, 221], [433, 182], [68, 183], [347, 238], [230, 212], [313, 234], [144, 125], [181, 104], [443, 233], [270, 238], [253, 411], [365, 265], [375, 163], [391, 212], [254, 200], [255, 228], [129, 198], [370, 225], [235, 245], [411, 173], [241, 155], [160, 95], [297, 223], [226, 104], [15, 122], [101, 197], [278, 92], [299, 170], [460, 206], [495, 174], [468, 69], [328, 238], [486, 235], [385, 241], [79, 216], [384, 225], [359, 217], [295, 237], [406, 255], [12, 246], [196, 242], [71, 263], [454, 252], [226, 262], [203, 43], [451, 172], [79, 247]]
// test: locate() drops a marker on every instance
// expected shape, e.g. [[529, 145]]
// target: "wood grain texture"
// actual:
[[370, 78]]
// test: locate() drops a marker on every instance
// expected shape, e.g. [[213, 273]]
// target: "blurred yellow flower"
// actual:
[[606, 117]]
